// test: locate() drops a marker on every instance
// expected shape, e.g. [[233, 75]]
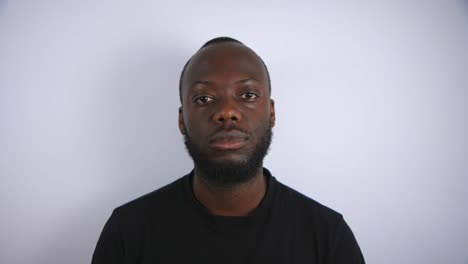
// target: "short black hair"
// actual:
[[215, 41]]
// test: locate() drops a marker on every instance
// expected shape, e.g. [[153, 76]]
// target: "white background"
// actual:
[[371, 100]]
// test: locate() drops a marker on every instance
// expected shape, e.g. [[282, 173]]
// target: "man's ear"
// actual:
[[272, 113], [181, 122]]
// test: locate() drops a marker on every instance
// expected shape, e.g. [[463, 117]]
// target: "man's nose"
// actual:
[[227, 113]]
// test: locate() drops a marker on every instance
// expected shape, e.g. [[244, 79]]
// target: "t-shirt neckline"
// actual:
[[233, 223]]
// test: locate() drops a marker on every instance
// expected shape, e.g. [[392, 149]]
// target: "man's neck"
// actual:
[[236, 200]]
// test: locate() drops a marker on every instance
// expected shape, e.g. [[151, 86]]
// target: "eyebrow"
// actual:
[[247, 80], [205, 82], [201, 82]]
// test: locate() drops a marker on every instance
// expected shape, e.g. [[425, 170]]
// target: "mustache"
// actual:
[[231, 132]]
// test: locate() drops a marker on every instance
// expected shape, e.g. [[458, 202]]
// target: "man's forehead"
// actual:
[[227, 55], [223, 48]]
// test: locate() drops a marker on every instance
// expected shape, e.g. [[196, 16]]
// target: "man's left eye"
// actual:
[[249, 96]]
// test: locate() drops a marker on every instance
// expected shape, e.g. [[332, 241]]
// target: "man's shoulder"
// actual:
[[319, 225], [159, 200], [307, 207]]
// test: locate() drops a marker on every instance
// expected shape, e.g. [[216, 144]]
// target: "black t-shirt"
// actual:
[[169, 225]]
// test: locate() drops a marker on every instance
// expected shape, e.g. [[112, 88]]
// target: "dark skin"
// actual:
[[225, 107]]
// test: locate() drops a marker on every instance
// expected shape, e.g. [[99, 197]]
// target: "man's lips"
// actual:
[[231, 140], [229, 143]]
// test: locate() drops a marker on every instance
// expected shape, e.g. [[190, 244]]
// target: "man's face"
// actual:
[[227, 114]]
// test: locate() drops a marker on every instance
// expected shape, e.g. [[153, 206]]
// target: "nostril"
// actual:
[[226, 116]]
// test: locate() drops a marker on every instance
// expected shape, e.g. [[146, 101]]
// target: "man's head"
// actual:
[[217, 41], [226, 114]]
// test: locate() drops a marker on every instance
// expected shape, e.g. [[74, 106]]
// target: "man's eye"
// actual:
[[249, 96], [203, 99]]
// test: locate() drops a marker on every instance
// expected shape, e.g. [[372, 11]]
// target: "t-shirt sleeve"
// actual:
[[109, 248], [345, 249]]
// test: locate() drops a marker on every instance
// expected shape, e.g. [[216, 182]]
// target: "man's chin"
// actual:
[[230, 159], [229, 167], [227, 173]]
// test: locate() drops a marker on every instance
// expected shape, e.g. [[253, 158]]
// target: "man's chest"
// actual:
[[200, 245]]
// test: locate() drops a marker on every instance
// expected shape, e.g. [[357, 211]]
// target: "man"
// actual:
[[229, 209]]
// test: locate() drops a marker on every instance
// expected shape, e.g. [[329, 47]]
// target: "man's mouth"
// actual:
[[228, 143], [231, 140]]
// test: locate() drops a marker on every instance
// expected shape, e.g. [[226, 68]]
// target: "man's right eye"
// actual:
[[203, 99]]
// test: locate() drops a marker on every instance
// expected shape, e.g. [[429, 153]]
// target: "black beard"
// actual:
[[227, 174]]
